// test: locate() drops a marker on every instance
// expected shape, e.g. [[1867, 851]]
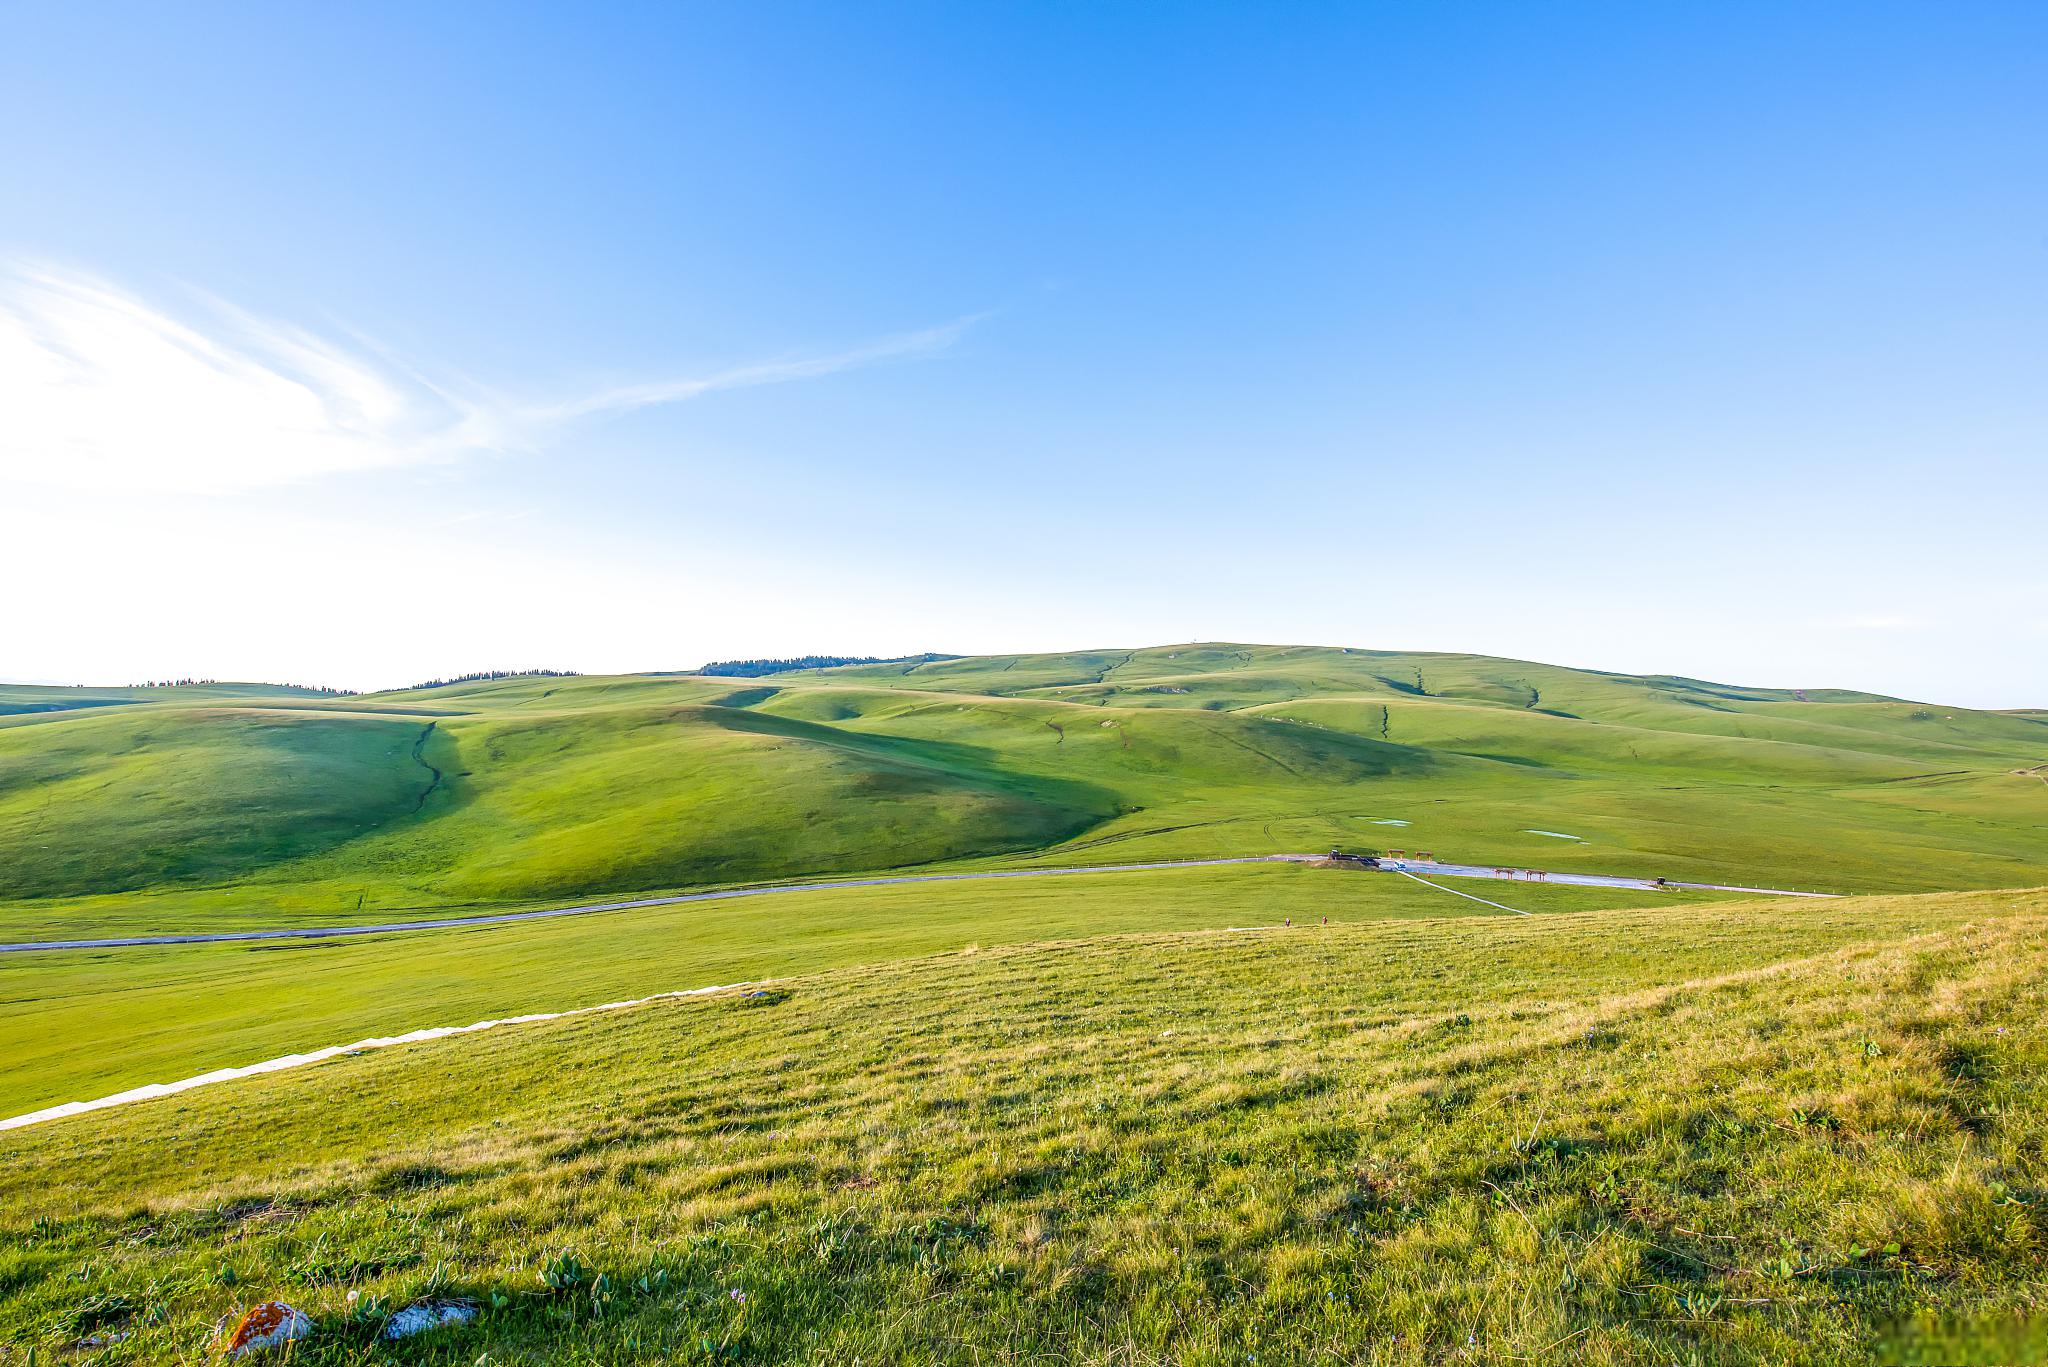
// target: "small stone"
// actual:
[[269, 1325], [421, 1316]]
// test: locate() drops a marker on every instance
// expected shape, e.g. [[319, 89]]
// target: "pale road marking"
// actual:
[[1455, 893], [278, 1065], [1579, 880]]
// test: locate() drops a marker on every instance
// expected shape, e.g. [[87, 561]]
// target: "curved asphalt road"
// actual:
[[1580, 880], [495, 918], [1408, 866]]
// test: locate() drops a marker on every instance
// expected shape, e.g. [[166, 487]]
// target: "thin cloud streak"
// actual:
[[101, 390], [903, 346]]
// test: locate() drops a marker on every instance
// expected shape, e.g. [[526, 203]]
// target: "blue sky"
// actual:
[[359, 344]]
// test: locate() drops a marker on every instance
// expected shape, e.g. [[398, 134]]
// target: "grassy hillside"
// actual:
[[78, 1024], [131, 797], [1716, 1134], [169, 809]]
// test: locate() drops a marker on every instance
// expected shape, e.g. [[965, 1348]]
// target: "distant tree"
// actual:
[[211, 683], [754, 669], [485, 675]]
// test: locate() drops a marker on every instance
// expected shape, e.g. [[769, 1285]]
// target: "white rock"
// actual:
[[424, 1315]]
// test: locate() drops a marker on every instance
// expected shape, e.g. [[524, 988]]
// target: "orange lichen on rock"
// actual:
[[268, 1325]]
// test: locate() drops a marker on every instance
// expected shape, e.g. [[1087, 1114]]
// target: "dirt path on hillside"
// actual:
[[419, 755]]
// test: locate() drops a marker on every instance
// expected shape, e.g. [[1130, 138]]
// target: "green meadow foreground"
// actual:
[[1714, 1132], [78, 1024], [124, 811]]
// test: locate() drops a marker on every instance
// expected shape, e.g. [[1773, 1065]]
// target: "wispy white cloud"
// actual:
[[100, 389]]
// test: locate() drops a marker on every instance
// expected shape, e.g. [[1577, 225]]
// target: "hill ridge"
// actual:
[[557, 787]]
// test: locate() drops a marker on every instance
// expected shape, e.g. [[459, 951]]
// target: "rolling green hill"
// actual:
[[223, 804], [120, 797], [20, 699]]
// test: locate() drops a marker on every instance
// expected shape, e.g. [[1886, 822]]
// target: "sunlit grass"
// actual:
[[85, 1023], [1722, 1133]]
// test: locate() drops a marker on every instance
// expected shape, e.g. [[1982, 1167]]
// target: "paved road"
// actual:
[[584, 909], [1411, 866], [1404, 867], [1583, 880]]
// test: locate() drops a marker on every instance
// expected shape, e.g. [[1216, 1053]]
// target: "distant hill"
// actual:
[[16, 699], [547, 786]]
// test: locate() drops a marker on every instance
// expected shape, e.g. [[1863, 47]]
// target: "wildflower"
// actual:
[[739, 1296]]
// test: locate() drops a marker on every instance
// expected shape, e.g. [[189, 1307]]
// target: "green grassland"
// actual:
[[1726, 1132], [1092, 1118], [223, 806], [77, 1024]]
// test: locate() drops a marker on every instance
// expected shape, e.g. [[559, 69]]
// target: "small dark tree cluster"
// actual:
[[754, 669], [209, 683], [485, 675]]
